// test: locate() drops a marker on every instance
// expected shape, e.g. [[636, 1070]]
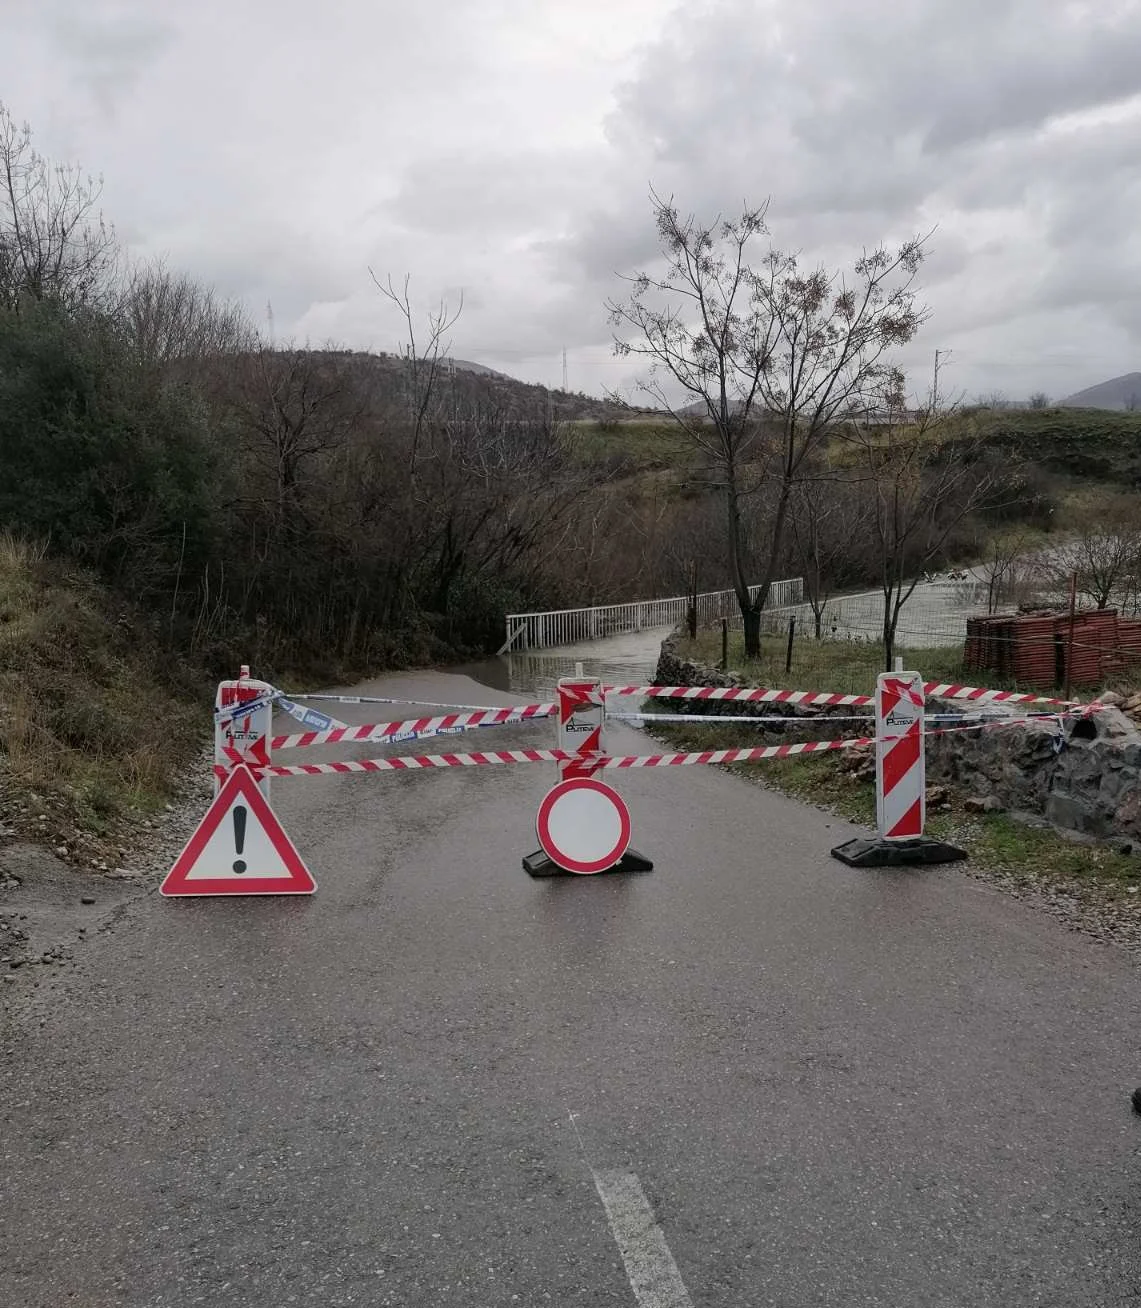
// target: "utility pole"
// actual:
[[564, 369], [935, 383], [269, 319]]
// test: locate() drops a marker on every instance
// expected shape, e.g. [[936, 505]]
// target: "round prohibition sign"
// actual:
[[583, 825]]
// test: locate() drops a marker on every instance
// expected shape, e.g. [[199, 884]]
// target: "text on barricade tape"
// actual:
[[233, 711], [417, 703]]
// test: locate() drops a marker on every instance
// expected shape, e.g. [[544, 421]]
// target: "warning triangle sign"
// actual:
[[239, 848]]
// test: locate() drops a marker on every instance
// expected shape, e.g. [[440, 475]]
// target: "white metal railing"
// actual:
[[572, 626]]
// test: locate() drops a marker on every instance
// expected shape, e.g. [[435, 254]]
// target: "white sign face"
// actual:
[[581, 713], [583, 825], [239, 848]]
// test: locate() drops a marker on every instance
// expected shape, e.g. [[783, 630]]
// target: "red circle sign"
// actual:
[[583, 825]]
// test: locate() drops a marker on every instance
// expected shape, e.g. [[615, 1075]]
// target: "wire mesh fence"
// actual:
[[944, 632], [528, 631]]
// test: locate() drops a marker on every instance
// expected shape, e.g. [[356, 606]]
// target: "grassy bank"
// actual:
[[95, 722], [849, 667]]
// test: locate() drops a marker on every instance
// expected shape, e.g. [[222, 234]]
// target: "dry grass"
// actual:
[[94, 727], [847, 667]]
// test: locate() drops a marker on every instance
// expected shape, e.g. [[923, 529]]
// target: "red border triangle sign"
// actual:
[[239, 848]]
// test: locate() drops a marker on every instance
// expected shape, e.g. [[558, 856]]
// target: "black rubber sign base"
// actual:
[[897, 853], [539, 865]]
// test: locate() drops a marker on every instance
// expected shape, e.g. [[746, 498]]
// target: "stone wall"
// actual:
[[1083, 775]]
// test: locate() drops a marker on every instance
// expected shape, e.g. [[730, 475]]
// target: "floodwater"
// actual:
[[625, 660], [935, 614]]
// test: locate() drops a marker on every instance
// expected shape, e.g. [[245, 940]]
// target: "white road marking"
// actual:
[[653, 1274]]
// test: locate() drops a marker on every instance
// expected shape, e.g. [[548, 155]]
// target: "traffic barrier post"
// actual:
[[583, 825], [240, 847], [901, 783], [243, 724]]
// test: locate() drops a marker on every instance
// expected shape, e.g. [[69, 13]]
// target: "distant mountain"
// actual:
[[1120, 393], [478, 368]]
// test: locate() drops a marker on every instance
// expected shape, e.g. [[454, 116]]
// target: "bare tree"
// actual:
[[54, 243], [296, 406], [1003, 566], [1039, 400], [424, 365], [169, 317], [920, 486], [1104, 553], [829, 521], [768, 358]]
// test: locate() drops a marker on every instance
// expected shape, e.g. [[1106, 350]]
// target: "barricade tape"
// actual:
[[412, 763], [715, 719], [737, 693], [310, 718], [420, 703], [414, 728], [932, 689], [232, 711]]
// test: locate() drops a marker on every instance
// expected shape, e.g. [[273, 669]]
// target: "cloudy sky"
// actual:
[[279, 148]]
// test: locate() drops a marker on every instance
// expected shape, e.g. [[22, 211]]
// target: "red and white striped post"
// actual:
[[901, 782], [243, 737], [901, 787], [581, 722]]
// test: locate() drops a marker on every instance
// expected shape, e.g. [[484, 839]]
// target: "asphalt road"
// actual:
[[769, 1078]]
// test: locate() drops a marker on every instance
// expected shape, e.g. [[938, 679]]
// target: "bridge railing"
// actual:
[[572, 626]]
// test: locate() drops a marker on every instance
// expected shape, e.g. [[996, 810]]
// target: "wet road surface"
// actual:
[[751, 1077]]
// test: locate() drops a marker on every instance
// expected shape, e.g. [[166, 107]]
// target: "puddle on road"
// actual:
[[629, 659]]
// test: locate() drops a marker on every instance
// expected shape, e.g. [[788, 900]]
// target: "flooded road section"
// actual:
[[627, 660], [751, 1077]]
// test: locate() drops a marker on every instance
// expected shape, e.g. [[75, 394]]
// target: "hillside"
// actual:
[[473, 382], [1122, 393], [1093, 443]]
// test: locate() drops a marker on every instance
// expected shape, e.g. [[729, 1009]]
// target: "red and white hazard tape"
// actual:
[[413, 763], [464, 715], [945, 690], [737, 693], [940, 689], [377, 732], [410, 763]]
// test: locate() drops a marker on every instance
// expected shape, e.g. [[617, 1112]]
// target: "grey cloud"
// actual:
[[452, 141], [875, 121], [108, 50], [489, 193]]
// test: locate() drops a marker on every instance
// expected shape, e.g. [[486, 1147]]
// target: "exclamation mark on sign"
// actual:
[[239, 836]]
